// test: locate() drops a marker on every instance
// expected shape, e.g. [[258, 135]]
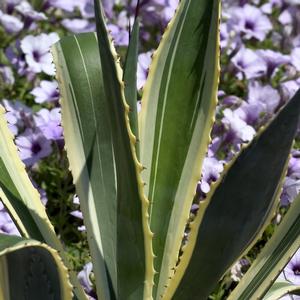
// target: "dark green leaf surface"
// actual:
[[273, 258], [31, 270], [177, 114], [240, 205]]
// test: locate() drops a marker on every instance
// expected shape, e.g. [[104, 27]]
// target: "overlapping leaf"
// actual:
[[101, 156], [237, 208], [176, 118], [31, 270], [276, 254], [23, 201]]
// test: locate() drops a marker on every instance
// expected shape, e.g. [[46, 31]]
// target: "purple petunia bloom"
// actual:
[[250, 22], [291, 272], [291, 189], [291, 186], [66, 5], [144, 61], [33, 146], [237, 129], [7, 75], [10, 23], [7, 226], [170, 9], [262, 102], [210, 172], [25, 9], [85, 281], [78, 25], [46, 92], [37, 52], [249, 64], [17, 114], [77, 213], [273, 60], [289, 88], [49, 123], [239, 269], [295, 58]]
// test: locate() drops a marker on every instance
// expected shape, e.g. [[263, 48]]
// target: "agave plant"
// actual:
[[136, 176]]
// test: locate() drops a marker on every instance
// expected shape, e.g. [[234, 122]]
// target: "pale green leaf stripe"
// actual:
[[31, 270], [280, 289], [23, 201], [237, 208], [130, 77], [276, 254], [112, 77], [176, 118], [104, 175]]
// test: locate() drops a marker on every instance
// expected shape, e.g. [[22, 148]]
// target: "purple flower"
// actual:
[[291, 189], [265, 96], [7, 75], [33, 146], [144, 61], [17, 114], [85, 281], [295, 58], [237, 129], [10, 23], [46, 92], [294, 165], [77, 213], [25, 9], [119, 35], [239, 269], [78, 25], [289, 88], [210, 172], [273, 60], [249, 64], [14, 55], [261, 104], [291, 272], [37, 52], [67, 5], [291, 186], [169, 10], [250, 21], [49, 123], [7, 226]]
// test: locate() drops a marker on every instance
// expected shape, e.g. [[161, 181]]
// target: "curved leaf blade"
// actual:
[[237, 207], [23, 201], [104, 172], [130, 78], [280, 289], [176, 118], [273, 258], [31, 270]]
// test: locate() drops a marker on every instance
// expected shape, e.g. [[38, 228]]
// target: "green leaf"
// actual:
[[103, 163], [31, 270], [273, 258], [280, 289], [23, 201], [37, 4], [130, 73], [177, 114], [237, 208]]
